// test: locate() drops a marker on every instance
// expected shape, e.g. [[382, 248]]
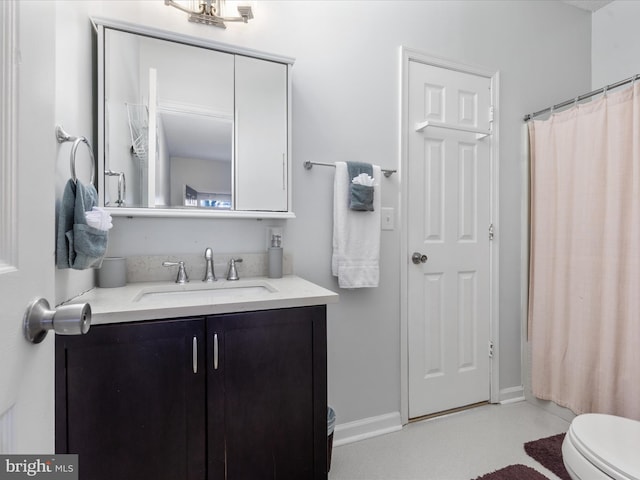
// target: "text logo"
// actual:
[[50, 467]]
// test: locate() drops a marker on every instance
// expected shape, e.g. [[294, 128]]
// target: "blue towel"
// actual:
[[78, 245], [360, 196]]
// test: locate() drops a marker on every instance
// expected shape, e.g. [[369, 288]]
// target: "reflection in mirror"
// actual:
[[168, 123], [199, 148]]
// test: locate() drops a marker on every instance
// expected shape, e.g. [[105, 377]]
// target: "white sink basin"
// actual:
[[206, 292]]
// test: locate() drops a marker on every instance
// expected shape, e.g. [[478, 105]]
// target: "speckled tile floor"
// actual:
[[461, 446]]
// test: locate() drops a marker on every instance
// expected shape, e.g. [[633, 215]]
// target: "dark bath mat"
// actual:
[[548, 451], [514, 472]]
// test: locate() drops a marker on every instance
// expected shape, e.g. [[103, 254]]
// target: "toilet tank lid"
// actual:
[[609, 442]]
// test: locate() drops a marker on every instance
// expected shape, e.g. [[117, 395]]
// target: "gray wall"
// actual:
[[74, 112], [346, 107], [615, 43]]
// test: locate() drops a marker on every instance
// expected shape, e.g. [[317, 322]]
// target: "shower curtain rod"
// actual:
[[529, 116]]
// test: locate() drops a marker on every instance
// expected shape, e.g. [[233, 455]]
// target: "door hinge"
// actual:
[[491, 114], [491, 231], [490, 349]]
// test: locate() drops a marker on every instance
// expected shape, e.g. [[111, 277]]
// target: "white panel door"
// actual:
[[448, 216], [27, 199]]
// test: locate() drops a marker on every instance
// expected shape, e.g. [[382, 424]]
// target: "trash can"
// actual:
[[331, 423]]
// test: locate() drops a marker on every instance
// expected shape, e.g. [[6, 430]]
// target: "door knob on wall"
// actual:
[[64, 320], [419, 258]]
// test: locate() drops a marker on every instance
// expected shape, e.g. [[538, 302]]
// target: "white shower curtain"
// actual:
[[584, 291]]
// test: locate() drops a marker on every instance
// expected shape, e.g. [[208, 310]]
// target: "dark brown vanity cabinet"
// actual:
[[129, 403], [232, 396], [271, 421]]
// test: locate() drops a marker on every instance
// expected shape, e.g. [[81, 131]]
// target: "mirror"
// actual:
[[174, 136], [173, 103]]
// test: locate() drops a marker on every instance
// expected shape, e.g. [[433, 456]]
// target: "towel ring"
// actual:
[[62, 137], [72, 159]]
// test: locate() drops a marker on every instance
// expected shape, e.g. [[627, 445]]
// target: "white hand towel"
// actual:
[[99, 218], [363, 179], [356, 235]]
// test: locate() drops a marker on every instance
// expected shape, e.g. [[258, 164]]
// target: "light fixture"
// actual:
[[209, 12]]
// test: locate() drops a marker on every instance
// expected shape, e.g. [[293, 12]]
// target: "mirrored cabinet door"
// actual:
[[169, 123], [261, 122]]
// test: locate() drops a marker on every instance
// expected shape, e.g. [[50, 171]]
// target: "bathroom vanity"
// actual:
[[238, 391], [201, 381]]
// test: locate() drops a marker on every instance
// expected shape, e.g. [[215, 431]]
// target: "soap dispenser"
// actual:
[[275, 257]]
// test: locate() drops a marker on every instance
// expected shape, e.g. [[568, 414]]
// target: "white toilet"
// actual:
[[601, 447]]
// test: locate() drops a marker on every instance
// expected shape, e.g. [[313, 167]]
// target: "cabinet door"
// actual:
[[268, 395], [130, 400], [261, 135]]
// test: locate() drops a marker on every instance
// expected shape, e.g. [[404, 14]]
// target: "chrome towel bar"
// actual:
[[309, 165]]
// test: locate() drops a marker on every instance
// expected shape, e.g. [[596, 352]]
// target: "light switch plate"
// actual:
[[387, 219]]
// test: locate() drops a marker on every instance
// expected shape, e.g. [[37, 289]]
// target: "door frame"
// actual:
[[408, 55]]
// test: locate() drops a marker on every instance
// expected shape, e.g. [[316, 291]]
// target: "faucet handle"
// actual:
[[233, 272], [182, 273]]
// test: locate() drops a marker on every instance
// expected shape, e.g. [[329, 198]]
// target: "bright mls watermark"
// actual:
[[51, 467]]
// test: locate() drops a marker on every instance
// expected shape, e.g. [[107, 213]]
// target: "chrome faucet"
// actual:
[[182, 273], [210, 274], [233, 272]]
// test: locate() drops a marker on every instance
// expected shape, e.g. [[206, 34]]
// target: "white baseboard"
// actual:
[[552, 408], [366, 428], [512, 395]]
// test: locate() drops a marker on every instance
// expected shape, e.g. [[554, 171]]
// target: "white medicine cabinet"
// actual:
[[188, 127]]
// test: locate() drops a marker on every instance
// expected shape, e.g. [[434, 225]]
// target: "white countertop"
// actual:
[[157, 300]]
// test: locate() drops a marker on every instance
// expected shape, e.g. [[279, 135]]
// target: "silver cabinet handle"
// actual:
[[215, 351], [195, 355], [284, 173]]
